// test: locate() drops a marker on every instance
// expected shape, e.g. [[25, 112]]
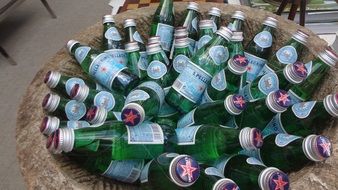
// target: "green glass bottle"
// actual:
[[191, 23], [317, 69], [258, 113], [208, 142], [288, 54], [182, 55], [163, 24], [304, 118], [143, 102], [227, 81], [291, 153], [170, 171], [103, 67], [260, 87], [144, 141], [249, 173], [64, 108], [189, 86], [49, 124], [259, 48], [180, 33], [237, 20], [206, 33], [155, 40], [215, 15], [97, 115], [136, 64]]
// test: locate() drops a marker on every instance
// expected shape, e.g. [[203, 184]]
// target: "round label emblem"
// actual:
[[81, 53], [263, 39], [75, 110], [303, 109], [219, 54], [72, 82], [268, 83], [180, 62], [203, 40], [287, 55], [218, 82], [156, 69], [105, 99], [112, 34]]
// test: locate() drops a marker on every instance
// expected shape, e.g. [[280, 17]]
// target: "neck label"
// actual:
[[81, 53], [145, 133], [143, 61], [117, 116], [294, 97], [104, 99], [254, 67], [287, 55], [137, 37], [75, 110], [202, 41], [180, 63], [254, 161], [275, 126], [156, 88], [214, 26], [309, 68], [166, 35], [137, 95], [126, 170], [268, 83], [219, 82], [77, 124], [192, 44], [219, 54], [263, 39], [246, 92], [302, 110], [112, 34], [265, 70], [187, 120], [187, 135], [119, 55], [145, 172], [71, 83], [213, 172], [206, 98], [221, 163], [194, 23], [156, 69], [282, 140]]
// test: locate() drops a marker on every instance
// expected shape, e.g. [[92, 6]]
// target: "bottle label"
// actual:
[[192, 82], [192, 44], [302, 110], [125, 170], [137, 37], [81, 53], [77, 124], [156, 69], [287, 55], [274, 126], [164, 56], [166, 35], [71, 83], [119, 55], [254, 161], [194, 23], [219, 82], [263, 39], [117, 116], [143, 61], [156, 88], [137, 95], [265, 70], [186, 135], [112, 34], [145, 133], [282, 140], [145, 172], [268, 83], [180, 62], [294, 97], [214, 172], [75, 110], [221, 163], [206, 98], [104, 69], [246, 92], [219, 54], [104, 99], [254, 67], [203, 40], [252, 153], [309, 68], [187, 120], [214, 26], [231, 27]]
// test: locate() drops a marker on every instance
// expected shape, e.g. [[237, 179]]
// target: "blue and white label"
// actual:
[[137, 37], [105, 99], [125, 170], [214, 26], [119, 55], [137, 95], [294, 97], [187, 120], [180, 62], [274, 126], [70, 83], [77, 124], [75, 110], [222, 162], [302, 110], [246, 92], [219, 82], [194, 23], [214, 172], [99, 87], [254, 161], [265, 70], [254, 67], [145, 172], [145, 133], [219, 54], [81, 53], [166, 35], [282, 140], [104, 69], [202, 41], [192, 44], [231, 26], [186, 135], [112, 34], [156, 69], [268, 83], [251, 153], [263, 39], [143, 61], [308, 68], [156, 88], [287, 55], [206, 98], [192, 82], [117, 116]]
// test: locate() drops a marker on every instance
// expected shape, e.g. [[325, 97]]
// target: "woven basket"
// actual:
[[43, 170]]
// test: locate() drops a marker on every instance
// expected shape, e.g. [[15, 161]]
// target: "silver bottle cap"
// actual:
[[70, 45], [295, 73], [108, 18], [154, 39], [204, 24], [96, 115], [51, 102], [234, 104], [129, 22], [278, 101], [224, 32], [250, 138], [237, 37], [331, 104], [225, 184], [214, 11], [131, 47], [181, 42], [268, 177], [329, 56], [175, 170], [317, 148], [270, 21], [300, 36], [64, 139], [238, 15], [52, 78], [132, 114], [180, 32], [153, 48], [79, 92], [193, 6], [50, 143], [49, 124], [238, 64]]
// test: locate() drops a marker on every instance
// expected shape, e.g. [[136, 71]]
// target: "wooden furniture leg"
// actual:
[[50, 10], [6, 55], [282, 7], [302, 12]]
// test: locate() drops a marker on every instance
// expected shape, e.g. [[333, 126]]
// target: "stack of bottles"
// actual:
[[191, 107]]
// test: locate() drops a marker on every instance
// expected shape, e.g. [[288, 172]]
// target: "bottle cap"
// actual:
[[270, 21], [132, 114], [272, 178], [50, 102], [64, 139], [180, 32], [205, 24], [50, 144], [238, 15], [108, 18], [96, 115], [234, 104], [224, 32], [250, 138], [153, 48], [70, 45], [193, 6], [331, 104], [225, 184], [154, 40], [52, 78], [129, 22], [317, 148], [278, 101], [49, 124], [181, 43], [329, 56], [184, 170], [238, 64], [237, 37], [295, 73], [214, 11], [131, 47], [300, 36], [79, 92]]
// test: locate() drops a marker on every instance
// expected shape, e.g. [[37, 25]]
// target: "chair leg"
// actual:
[[6, 55], [293, 10], [282, 7], [302, 12], [50, 10]]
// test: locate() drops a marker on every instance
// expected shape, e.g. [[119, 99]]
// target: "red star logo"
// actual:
[[301, 68], [239, 100], [326, 147], [259, 138], [241, 59], [280, 183], [188, 170], [130, 117], [283, 98], [103, 69], [249, 68]]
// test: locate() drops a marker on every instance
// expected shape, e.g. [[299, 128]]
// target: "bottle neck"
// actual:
[[130, 33], [206, 31], [236, 25]]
